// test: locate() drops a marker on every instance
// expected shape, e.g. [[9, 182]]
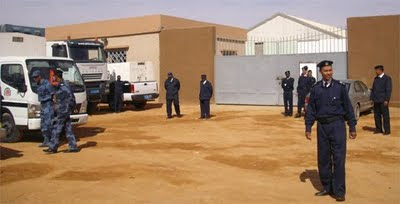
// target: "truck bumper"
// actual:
[[78, 119], [145, 97]]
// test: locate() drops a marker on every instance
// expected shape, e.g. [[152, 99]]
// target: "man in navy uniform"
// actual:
[[64, 105], [302, 91], [331, 107], [118, 95], [206, 92], [45, 93], [287, 86], [311, 81], [172, 86], [380, 95]]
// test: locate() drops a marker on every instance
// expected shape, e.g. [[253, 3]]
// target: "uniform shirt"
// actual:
[[381, 89], [172, 87], [302, 83], [45, 91], [118, 87], [287, 84], [311, 82], [206, 90], [329, 101], [64, 98]]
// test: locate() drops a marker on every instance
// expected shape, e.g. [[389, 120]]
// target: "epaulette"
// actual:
[[342, 83]]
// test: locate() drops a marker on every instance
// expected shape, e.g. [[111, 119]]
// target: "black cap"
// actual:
[[287, 72], [305, 68], [59, 73], [379, 67], [324, 63]]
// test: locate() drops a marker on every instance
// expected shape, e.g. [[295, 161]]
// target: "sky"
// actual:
[[239, 13]]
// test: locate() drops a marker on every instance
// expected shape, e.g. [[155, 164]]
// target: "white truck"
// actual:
[[91, 61], [139, 82], [20, 107]]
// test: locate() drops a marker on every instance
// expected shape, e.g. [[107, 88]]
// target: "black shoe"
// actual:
[[378, 132], [298, 115], [179, 116], [322, 193], [73, 150], [386, 133], [50, 151], [169, 117], [340, 198]]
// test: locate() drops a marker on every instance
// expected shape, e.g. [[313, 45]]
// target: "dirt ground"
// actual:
[[244, 154]]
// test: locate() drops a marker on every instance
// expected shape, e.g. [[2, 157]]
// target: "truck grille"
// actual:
[[94, 76]]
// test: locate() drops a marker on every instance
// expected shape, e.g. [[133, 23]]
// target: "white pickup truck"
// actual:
[[139, 83]]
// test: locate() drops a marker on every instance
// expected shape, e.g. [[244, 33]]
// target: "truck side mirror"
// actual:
[[22, 88]]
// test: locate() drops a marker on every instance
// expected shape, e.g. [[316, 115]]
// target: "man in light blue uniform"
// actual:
[[45, 93]]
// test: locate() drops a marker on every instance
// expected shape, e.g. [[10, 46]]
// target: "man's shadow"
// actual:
[[313, 176], [367, 128]]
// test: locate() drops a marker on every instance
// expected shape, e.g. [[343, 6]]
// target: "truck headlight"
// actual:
[[83, 107], [34, 111]]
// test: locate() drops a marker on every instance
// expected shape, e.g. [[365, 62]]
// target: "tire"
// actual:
[[91, 108], [357, 112], [12, 132], [139, 105]]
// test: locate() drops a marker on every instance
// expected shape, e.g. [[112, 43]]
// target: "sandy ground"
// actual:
[[244, 154]]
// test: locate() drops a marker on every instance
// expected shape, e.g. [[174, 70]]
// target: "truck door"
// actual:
[[14, 90]]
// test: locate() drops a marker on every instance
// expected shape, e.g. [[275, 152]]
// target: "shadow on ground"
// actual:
[[7, 153], [313, 176]]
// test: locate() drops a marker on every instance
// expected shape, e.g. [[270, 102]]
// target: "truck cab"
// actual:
[[91, 61], [20, 107]]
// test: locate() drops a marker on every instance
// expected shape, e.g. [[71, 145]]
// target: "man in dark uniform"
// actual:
[[311, 81], [45, 94], [172, 87], [302, 91], [64, 106], [206, 92], [287, 86], [118, 94], [331, 107], [380, 95]]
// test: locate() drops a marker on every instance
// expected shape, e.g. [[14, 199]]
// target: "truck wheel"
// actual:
[[139, 105], [12, 132], [91, 108]]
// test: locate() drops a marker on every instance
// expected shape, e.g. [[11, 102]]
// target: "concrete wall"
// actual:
[[140, 48], [31, 45], [187, 53], [255, 80], [372, 41]]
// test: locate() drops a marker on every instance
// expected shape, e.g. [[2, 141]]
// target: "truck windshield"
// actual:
[[70, 71], [87, 54]]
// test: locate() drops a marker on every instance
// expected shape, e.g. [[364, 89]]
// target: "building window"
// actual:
[[116, 55], [228, 52]]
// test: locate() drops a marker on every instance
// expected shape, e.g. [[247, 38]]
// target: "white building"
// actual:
[[285, 34]]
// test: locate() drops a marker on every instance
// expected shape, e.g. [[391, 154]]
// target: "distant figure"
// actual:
[[118, 94], [45, 93], [311, 81], [380, 95], [65, 102], [172, 87], [302, 91], [330, 105], [206, 92], [287, 86]]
